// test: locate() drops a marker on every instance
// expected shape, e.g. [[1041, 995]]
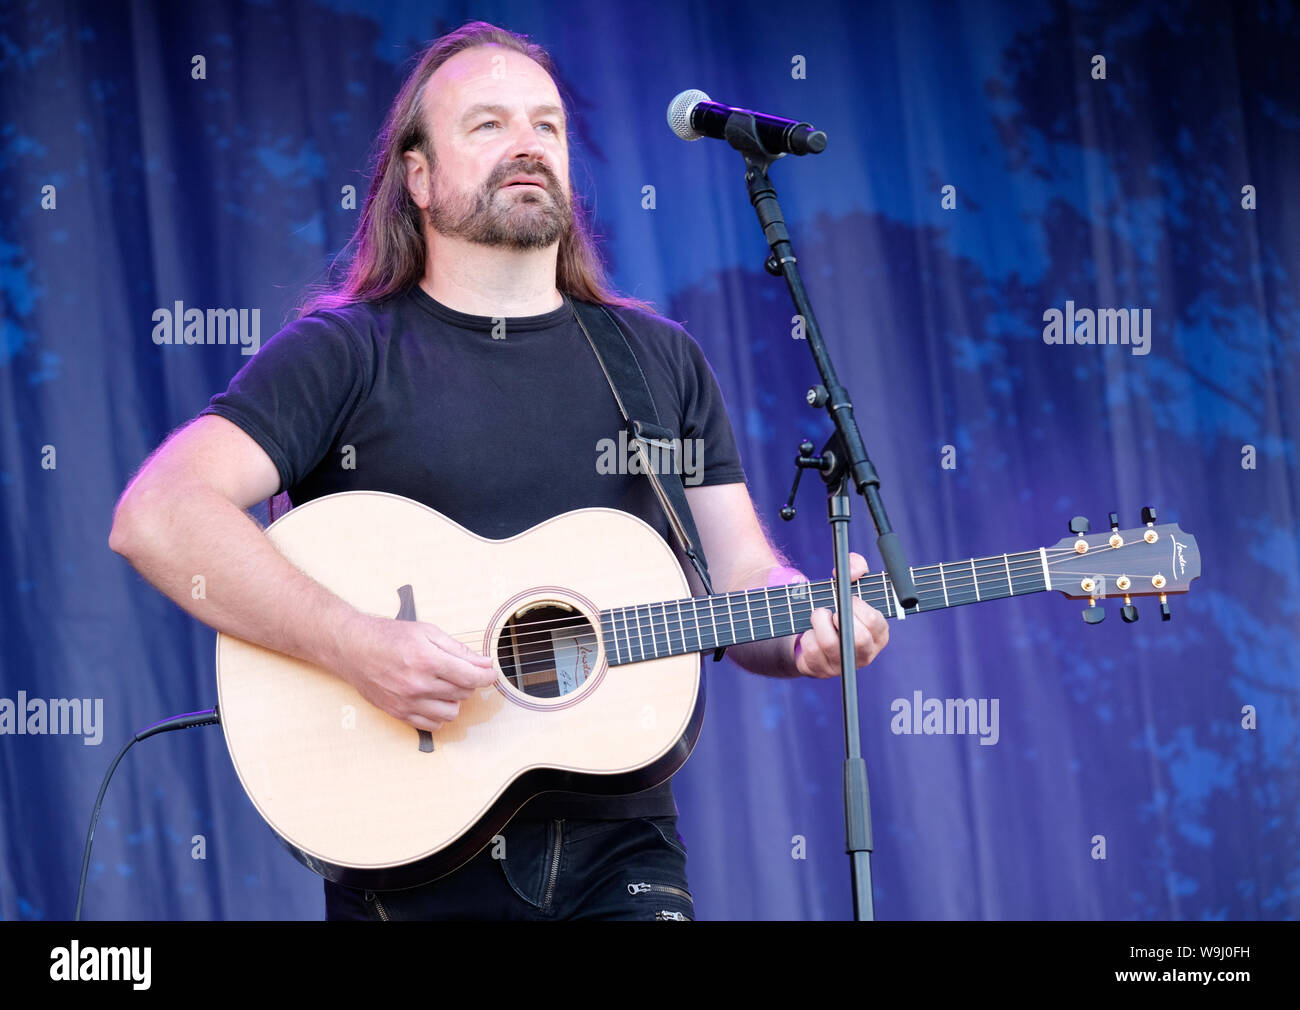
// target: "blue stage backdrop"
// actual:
[[992, 168]]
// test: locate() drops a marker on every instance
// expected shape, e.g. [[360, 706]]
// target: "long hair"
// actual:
[[389, 248]]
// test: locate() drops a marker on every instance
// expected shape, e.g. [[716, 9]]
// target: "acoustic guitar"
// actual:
[[595, 636]]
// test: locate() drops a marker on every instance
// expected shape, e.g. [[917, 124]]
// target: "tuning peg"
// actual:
[[1164, 608], [1094, 614], [1148, 515], [1080, 525], [1128, 612], [1114, 522]]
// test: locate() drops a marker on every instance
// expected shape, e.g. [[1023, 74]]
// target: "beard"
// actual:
[[519, 219]]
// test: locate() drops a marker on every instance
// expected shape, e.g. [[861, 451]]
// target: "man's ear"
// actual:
[[419, 178]]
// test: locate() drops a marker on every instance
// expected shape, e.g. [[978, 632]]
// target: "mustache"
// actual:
[[534, 168]]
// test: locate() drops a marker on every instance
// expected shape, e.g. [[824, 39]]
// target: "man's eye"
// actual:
[[549, 126], [490, 122]]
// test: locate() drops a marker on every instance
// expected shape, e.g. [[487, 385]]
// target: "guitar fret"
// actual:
[[606, 620], [636, 612], [1011, 590], [650, 616], [975, 576], [771, 624], [1047, 579], [869, 596]]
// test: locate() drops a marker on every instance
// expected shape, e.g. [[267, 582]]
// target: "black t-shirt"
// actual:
[[493, 423]]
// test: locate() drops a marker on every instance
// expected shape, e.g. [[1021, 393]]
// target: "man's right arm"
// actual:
[[184, 514]]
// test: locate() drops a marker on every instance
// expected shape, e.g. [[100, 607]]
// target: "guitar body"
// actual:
[[366, 800]]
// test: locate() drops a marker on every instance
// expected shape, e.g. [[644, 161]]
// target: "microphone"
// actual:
[[693, 115]]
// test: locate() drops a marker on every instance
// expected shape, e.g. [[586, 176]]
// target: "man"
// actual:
[[450, 365]]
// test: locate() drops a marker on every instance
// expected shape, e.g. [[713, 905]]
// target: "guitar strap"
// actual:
[[636, 404]]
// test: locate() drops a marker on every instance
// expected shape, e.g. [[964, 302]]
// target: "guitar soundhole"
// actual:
[[547, 650]]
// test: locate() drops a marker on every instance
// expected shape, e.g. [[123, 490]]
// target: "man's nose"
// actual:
[[525, 143]]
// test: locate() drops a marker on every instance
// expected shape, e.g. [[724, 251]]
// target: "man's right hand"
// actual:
[[412, 670]]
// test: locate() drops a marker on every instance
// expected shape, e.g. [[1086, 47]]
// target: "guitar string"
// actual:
[[740, 602], [876, 595], [996, 567], [633, 637], [662, 636]]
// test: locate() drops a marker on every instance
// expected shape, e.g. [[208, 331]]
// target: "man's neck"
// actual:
[[490, 281]]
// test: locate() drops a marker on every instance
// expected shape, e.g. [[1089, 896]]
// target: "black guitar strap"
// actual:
[[636, 404]]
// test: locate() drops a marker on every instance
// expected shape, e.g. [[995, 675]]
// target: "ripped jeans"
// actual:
[[546, 871]]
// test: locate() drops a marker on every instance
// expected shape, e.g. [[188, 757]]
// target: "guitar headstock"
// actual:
[[1149, 560]]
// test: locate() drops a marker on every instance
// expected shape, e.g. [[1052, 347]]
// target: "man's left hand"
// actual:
[[817, 650]]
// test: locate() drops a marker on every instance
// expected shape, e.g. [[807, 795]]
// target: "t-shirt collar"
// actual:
[[485, 324]]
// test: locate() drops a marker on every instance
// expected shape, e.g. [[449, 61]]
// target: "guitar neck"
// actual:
[[703, 623]]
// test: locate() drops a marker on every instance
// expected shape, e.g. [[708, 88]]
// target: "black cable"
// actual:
[[207, 717]]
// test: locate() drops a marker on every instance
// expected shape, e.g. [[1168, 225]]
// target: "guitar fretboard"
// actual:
[[703, 623]]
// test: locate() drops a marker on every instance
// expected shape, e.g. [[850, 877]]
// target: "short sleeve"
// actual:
[[704, 417], [295, 395]]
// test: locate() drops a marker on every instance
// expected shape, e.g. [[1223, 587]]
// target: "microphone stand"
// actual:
[[843, 459]]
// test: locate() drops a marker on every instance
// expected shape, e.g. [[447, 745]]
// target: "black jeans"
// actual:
[[544, 871]]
